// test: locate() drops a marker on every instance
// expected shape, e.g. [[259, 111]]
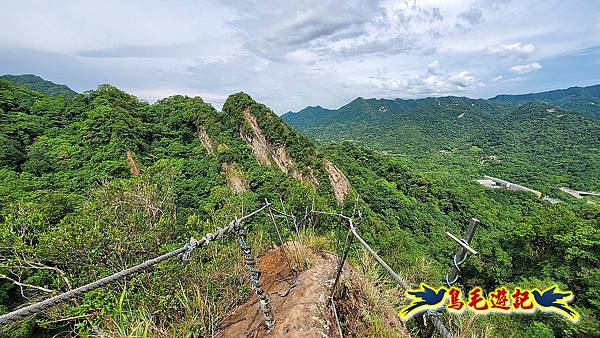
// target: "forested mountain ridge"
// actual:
[[358, 108], [35, 82], [101, 181], [534, 143], [583, 99], [117, 123]]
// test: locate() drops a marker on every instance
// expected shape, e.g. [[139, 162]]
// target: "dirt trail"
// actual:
[[300, 303]]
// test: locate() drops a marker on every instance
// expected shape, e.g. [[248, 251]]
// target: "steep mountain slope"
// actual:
[[37, 83], [535, 143], [101, 181], [583, 99]]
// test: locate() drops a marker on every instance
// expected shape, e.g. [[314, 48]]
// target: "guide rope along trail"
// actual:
[[184, 253], [432, 316]]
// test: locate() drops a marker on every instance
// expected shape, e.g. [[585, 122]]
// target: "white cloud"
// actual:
[[138, 26], [293, 54], [463, 80], [349, 29], [433, 67], [434, 81], [516, 48], [497, 78], [523, 69], [302, 55]]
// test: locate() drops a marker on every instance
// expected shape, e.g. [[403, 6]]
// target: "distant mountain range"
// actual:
[[38, 84], [582, 99], [98, 181], [546, 141]]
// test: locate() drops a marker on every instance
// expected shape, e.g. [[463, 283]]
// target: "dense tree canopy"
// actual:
[[37, 83], [536, 144], [71, 203]]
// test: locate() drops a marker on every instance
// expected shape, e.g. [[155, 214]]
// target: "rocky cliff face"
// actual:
[[135, 169], [268, 154], [272, 143], [339, 183], [236, 181], [205, 139]]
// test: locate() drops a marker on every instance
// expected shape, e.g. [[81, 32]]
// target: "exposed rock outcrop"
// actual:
[[257, 140], [267, 154], [135, 170], [301, 303], [206, 142], [236, 181], [340, 184]]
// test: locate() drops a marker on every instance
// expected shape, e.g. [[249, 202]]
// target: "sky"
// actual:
[[293, 54]]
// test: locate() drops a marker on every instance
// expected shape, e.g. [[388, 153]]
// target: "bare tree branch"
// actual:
[[34, 265], [21, 285]]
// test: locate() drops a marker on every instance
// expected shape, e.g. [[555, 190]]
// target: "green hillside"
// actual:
[[537, 144], [583, 99], [101, 181], [37, 83]]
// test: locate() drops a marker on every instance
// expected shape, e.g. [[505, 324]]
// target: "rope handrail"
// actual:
[[184, 251], [379, 260], [36, 308], [432, 316], [439, 326]]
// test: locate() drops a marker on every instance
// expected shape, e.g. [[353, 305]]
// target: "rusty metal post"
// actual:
[[340, 265], [263, 297], [461, 255]]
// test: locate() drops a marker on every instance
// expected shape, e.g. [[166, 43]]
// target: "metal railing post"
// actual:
[[263, 297], [461, 255]]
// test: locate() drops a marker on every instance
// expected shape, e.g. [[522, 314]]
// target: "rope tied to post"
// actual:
[[254, 273], [457, 267], [183, 252], [432, 316]]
